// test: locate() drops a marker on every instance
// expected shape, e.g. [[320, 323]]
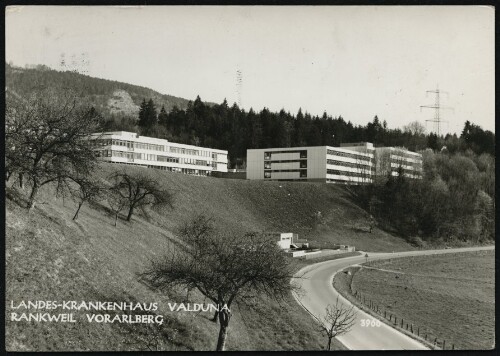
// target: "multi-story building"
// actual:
[[395, 159], [130, 148], [351, 163], [320, 163]]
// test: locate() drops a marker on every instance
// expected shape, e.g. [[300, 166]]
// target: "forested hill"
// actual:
[[109, 97], [236, 130], [133, 108]]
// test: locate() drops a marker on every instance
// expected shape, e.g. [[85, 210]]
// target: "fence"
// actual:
[[400, 323]]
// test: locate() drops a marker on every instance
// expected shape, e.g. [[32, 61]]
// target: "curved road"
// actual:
[[317, 292]]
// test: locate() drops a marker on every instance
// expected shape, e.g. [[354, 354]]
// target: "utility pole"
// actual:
[[239, 84], [437, 108]]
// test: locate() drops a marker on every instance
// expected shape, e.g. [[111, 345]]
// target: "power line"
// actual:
[[437, 108]]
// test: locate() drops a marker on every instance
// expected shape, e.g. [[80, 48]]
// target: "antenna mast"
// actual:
[[239, 84], [437, 107]]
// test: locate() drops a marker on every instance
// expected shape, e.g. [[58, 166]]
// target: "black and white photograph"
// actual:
[[249, 178]]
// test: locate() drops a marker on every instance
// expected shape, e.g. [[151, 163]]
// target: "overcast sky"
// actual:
[[356, 62]]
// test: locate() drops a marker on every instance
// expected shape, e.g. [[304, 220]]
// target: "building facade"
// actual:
[[351, 163], [320, 163], [396, 159], [130, 148]]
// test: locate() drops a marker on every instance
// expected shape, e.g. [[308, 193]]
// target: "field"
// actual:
[[451, 297], [51, 257]]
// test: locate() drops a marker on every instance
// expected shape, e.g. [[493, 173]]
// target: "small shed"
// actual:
[[283, 239]]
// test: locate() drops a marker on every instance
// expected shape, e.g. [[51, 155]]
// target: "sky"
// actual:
[[350, 61]]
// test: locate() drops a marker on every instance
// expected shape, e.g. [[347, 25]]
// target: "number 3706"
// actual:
[[370, 323]]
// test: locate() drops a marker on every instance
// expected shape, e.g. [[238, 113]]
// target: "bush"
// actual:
[[416, 241]]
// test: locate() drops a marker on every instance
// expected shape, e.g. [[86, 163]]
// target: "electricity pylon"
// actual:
[[437, 108]]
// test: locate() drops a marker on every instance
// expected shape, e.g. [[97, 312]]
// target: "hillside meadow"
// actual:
[[51, 257]]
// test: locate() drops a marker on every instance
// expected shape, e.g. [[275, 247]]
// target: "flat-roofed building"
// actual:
[[130, 148], [319, 163], [394, 159]]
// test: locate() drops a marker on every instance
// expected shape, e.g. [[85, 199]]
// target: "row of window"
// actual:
[[303, 164], [415, 166], [349, 155], [167, 159], [154, 147], [192, 152], [267, 155], [286, 160], [406, 171], [404, 154], [349, 164], [288, 170], [130, 144], [198, 162], [196, 172], [303, 174], [153, 157], [345, 181], [348, 174]]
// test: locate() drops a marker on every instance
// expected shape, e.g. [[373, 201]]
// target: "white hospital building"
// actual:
[[130, 148], [394, 159], [351, 163]]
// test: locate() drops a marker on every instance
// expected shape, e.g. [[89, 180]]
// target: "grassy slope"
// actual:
[[450, 297], [51, 257], [274, 206]]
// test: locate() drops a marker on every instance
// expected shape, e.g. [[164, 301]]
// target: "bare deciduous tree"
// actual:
[[116, 203], [224, 267], [88, 190], [140, 189], [415, 128], [339, 320], [47, 139]]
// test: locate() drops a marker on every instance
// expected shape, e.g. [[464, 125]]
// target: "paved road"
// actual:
[[318, 292]]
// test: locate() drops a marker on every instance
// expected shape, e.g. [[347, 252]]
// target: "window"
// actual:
[[303, 174], [303, 154], [267, 174], [267, 165], [303, 164], [267, 155]]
